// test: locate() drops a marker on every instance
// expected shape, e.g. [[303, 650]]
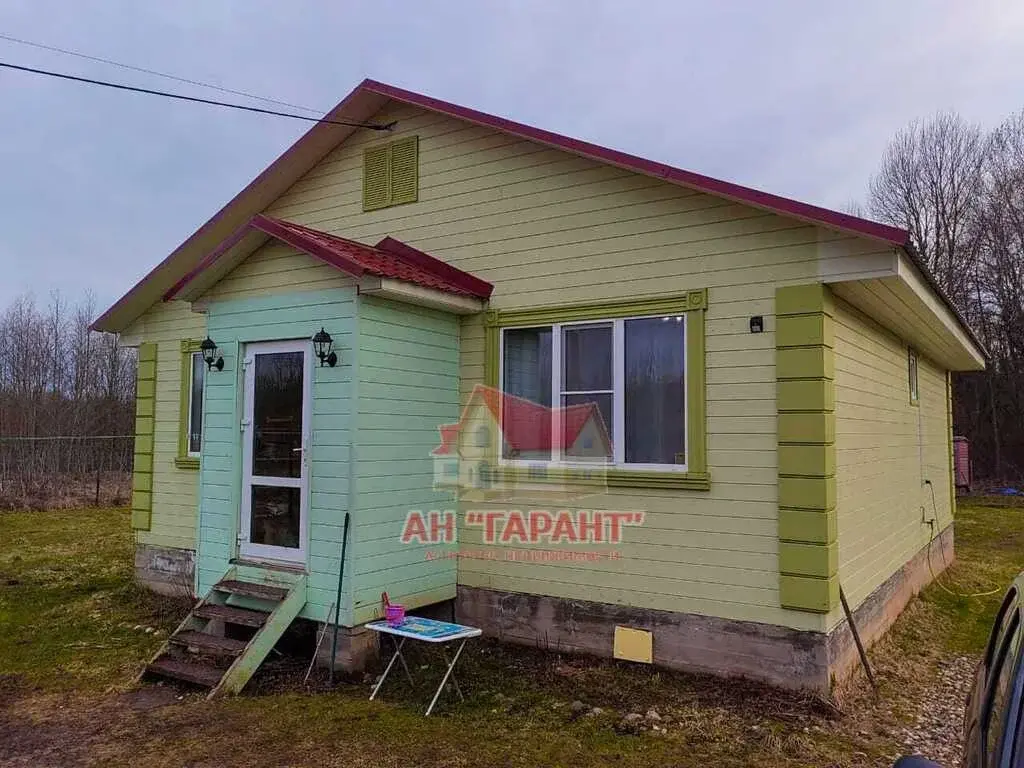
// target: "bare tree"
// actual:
[[66, 404], [929, 183], [960, 195]]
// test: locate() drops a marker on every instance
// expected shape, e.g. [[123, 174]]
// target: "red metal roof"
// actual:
[[390, 258]]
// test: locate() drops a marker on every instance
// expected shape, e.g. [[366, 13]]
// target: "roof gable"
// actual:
[[365, 101]]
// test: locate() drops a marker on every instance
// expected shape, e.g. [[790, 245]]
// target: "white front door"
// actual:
[[275, 452]]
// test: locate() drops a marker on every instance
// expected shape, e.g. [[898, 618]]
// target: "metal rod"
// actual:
[[856, 639], [387, 669], [337, 602], [446, 676], [319, 641]]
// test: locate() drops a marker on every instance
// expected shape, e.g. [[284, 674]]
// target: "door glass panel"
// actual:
[[195, 415], [275, 516], [277, 416]]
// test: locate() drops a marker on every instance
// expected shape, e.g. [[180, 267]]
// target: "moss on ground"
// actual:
[[69, 649]]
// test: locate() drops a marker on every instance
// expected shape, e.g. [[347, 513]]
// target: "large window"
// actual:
[[610, 391]]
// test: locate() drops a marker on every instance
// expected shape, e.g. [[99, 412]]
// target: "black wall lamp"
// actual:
[[323, 347], [211, 355]]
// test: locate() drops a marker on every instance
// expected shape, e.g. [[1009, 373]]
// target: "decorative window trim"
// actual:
[[691, 303], [184, 460], [913, 376]]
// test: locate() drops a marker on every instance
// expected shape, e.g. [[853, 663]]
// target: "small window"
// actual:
[[190, 415], [195, 404], [391, 174], [912, 376]]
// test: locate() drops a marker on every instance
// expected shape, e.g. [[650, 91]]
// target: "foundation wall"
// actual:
[[770, 653], [166, 570]]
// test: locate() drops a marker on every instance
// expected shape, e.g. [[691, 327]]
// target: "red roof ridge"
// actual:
[[360, 104], [470, 282], [396, 261], [749, 195]]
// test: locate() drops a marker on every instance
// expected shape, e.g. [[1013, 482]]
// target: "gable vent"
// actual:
[[391, 174]]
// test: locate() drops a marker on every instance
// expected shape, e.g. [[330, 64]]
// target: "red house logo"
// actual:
[[503, 444]]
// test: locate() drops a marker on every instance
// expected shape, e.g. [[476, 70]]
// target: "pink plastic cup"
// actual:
[[395, 614]]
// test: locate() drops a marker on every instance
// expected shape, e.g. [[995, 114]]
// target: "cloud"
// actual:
[[794, 97]]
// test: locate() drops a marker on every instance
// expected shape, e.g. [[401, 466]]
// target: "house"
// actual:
[[773, 376]]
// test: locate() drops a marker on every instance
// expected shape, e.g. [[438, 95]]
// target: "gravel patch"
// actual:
[[938, 731]]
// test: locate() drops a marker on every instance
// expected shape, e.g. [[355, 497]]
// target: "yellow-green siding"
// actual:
[[547, 227], [175, 491], [885, 449]]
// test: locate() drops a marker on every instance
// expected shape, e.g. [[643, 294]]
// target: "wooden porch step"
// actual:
[[247, 588], [189, 671], [232, 615], [209, 643]]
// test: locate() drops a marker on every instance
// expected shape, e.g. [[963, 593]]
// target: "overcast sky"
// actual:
[[797, 98]]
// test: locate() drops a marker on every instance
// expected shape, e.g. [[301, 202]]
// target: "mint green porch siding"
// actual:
[[408, 373], [232, 323]]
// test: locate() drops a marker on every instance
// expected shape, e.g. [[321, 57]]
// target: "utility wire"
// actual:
[[187, 81], [194, 99]]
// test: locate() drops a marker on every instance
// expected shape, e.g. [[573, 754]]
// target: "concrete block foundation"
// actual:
[[357, 648], [166, 570], [777, 655]]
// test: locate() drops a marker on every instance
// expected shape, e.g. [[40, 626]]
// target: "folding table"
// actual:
[[426, 631]]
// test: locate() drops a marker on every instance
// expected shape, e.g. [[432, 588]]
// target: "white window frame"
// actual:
[[618, 461], [188, 414]]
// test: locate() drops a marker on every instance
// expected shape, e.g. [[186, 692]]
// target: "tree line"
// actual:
[[959, 191], [66, 404]]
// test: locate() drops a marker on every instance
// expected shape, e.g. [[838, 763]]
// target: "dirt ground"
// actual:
[[74, 631]]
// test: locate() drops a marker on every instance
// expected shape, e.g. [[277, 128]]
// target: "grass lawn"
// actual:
[[73, 633]]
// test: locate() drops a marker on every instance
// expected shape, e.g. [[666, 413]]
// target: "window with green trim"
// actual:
[[619, 384], [190, 419], [615, 392], [391, 174]]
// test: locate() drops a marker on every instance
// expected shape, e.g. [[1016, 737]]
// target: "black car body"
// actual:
[[992, 722], [994, 717]]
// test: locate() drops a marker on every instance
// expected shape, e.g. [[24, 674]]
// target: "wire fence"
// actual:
[[65, 471]]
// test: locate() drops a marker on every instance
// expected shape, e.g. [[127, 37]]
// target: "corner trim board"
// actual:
[[805, 373], [145, 424]]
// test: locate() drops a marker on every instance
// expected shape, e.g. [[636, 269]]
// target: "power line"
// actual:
[[195, 99], [187, 81]]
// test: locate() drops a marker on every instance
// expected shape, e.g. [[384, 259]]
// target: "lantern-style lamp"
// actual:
[[323, 348], [211, 355]]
